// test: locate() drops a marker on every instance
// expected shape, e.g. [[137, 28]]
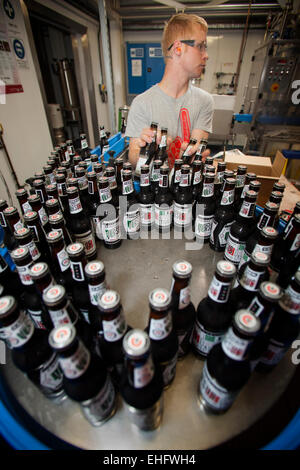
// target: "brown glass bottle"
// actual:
[[146, 199], [111, 175], [240, 183], [249, 177], [219, 179], [22, 196], [129, 215], [9, 240], [183, 209], [61, 266], [32, 221], [196, 178], [176, 176], [186, 157], [164, 203], [286, 260], [223, 218], [204, 209], [80, 295], [43, 280], [57, 222], [24, 238], [154, 177], [35, 202], [108, 228], [162, 150], [39, 186], [164, 341]]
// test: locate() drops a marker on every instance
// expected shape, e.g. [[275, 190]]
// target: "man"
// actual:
[[185, 110]]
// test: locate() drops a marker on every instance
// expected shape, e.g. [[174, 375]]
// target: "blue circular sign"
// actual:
[[19, 49], [9, 9]]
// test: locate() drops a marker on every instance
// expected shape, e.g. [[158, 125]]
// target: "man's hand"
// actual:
[[193, 150]]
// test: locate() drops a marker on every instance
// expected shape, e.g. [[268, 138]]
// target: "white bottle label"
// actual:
[[110, 230], [235, 347], [219, 291], [234, 249], [197, 177], [26, 207], [43, 216], [182, 214], [105, 194], [208, 190], [114, 330], [147, 214], [96, 292], [36, 317], [84, 144], [19, 332], [143, 375], [247, 209], [51, 375], [35, 254], [127, 187], [77, 271], [256, 307], [291, 300], [203, 226], [144, 179], [263, 249], [75, 365], [204, 340], [227, 198], [184, 297], [251, 279], [88, 241], [163, 216], [177, 176], [63, 259], [24, 274], [75, 205], [223, 235], [131, 221], [59, 317], [213, 393], [263, 221], [160, 328]]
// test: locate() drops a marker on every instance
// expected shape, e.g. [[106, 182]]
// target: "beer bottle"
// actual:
[[201, 148], [35, 202], [43, 280], [57, 222], [219, 179], [163, 203], [183, 215], [25, 239], [183, 310], [13, 219], [176, 176], [205, 209], [52, 193], [61, 266], [239, 186], [208, 166], [255, 272], [278, 186], [94, 159], [63, 196], [264, 243], [284, 328], [276, 197], [119, 168], [154, 180], [241, 229], [111, 175], [114, 328], [84, 147], [196, 179], [39, 186], [94, 200], [223, 218], [9, 279], [22, 196], [31, 352], [80, 224], [8, 237], [80, 294], [131, 215], [288, 260], [255, 185], [98, 169], [70, 148], [84, 190], [32, 221], [186, 157], [214, 315], [162, 151], [109, 223], [146, 199], [249, 177], [142, 384], [287, 241], [227, 369], [85, 378], [164, 341], [49, 175], [95, 275], [53, 207], [152, 148]]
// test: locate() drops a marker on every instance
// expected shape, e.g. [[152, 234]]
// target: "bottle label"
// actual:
[[19, 332], [256, 307], [2, 220], [144, 179], [143, 375], [75, 365], [240, 180], [26, 207], [39, 192], [96, 292], [224, 233], [127, 187], [204, 340], [155, 174], [84, 144], [219, 291], [263, 221], [208, 190], [245, 189], [163, 181], [105, 194], [227, 198], [110, 230], [244, 259], [24, 274], [251, 279], [291, 300], [163, 216], [51, 376], [177, 177], [43, 216], [63, 260], [296, 243], [263, 249], [182, 214], [184, 297], [184, 180], [234, 249], [101, 406], [114, 330], [59, 317], [274, 353], [18, 225], [35, 254], [91, 187], [131, 221], [169, 370], [197, 177], [160, 328], [75, 205], [77, 271], [62, 189], [88, 242], [213, 393], [203, 226], [247, 209], [219, 177], [147, 214], [163, 142], [234, 347], [36, 317]]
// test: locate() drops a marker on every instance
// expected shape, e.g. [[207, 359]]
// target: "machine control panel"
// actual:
[[278, 74]]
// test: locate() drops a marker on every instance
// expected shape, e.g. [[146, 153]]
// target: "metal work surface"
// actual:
[[134, 269]]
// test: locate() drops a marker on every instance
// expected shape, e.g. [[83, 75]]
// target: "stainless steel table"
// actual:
[[134, 269]]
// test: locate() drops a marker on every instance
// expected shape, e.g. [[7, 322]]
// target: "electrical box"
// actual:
[[145, 66]]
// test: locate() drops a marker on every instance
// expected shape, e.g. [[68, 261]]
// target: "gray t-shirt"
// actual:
[[194, 109]]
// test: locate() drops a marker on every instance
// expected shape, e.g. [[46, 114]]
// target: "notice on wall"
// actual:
[[12, 45], [136, 68]]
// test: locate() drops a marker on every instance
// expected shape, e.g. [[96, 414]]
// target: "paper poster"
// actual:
[[136, 68]]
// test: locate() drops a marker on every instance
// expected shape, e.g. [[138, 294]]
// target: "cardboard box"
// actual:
[[266, 172]]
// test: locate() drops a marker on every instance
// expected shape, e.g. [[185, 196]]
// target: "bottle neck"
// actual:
[[140, 371], [219, 289], [181, 293], [236, 347], [75, 205], [75, 363], [161, 324], [114, 326], [19, 332]]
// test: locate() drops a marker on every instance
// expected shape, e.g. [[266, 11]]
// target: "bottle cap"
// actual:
[[54, 236], [94, 269], [21, 192], [54, 218], [160, 299], [250, 194], [182, 269], [270, 291], [7, 306], [30, 215], [270, 232], [32, 198], [260, 259], [38, 270], [54, 295], [109, 301], [20, 253], [62, 337], [246, 322], [51, 202], [75, 249], [22, 233], [10, 210], [272, 206], [72, 190], [241, 169], [136, 343], [226, 268]]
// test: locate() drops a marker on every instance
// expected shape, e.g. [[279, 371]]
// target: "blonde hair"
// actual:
[[179, 26]]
